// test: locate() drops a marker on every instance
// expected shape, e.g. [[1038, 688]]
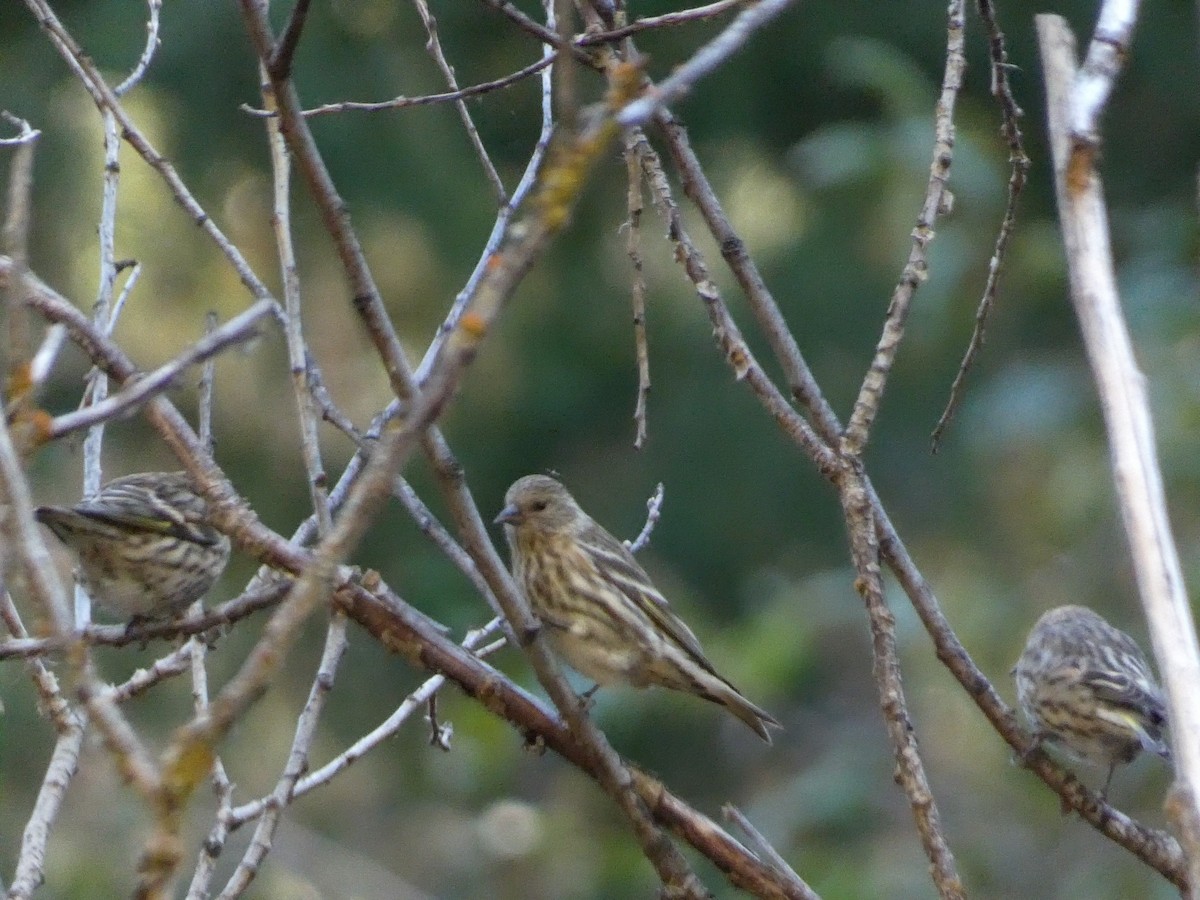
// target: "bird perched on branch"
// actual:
[[1086, 687], [145, 548], [601, 612]]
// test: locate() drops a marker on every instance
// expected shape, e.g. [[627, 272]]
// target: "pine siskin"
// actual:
[[602, 614], [145, 548], [1086, 687]]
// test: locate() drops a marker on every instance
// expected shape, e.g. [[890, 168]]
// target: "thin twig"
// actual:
[[240, 329], [281, 61], [1017, 159], [801, 383], [105, 98], [70, 726], [653, 23], [403, 102], [633, 247], [653, 512], [246, 812], [499, 233], [105, 315], [208, 374], [336, 641], [434, 47], [725, 330], [703, 62], [123, 635], [177, 662], [760, 845], [23, 541], [64, 762], [202, 876], [297, 761], [14, 240], [152, 44]]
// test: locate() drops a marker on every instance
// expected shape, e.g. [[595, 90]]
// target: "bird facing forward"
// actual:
[[145, 548], [601, 612], [1085, 686]]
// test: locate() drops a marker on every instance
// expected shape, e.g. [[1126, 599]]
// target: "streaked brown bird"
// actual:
[[1086, 687], [145, 548], [601, 612]]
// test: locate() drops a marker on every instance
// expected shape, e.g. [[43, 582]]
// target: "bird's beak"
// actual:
[[510, 515]]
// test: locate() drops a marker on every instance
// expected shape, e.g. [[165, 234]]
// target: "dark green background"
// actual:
[[818, 137]]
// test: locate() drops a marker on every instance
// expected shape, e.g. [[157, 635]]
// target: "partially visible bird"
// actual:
[[1086, 687], [145, 547], [601, 612]]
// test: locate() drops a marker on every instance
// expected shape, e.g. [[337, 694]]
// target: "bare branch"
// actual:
[[297, 761], [241, 328], [385, 730], [31, 863], [104, 97], [916, 268], [14, 237], [434, 46], [703, 62]]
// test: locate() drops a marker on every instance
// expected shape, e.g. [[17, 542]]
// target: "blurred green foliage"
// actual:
[[818, 138]]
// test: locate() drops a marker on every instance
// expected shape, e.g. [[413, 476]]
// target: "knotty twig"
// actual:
[[653, 513], [1019, 162], [637, 287], [910, 770], [916, 269]]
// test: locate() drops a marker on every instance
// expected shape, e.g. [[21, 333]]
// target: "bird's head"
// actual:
[[540, 502]]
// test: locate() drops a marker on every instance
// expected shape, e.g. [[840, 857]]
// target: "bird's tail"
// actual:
[[718, 690]]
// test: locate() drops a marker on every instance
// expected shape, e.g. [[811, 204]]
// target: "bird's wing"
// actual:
[[1122, 689], [154, 516], [625, 571]]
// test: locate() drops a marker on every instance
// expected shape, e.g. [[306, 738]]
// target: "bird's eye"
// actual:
[[538, 505]]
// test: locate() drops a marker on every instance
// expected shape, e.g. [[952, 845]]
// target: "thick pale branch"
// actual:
[[1126, 407]]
